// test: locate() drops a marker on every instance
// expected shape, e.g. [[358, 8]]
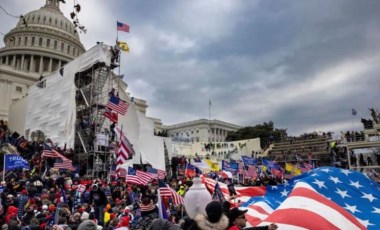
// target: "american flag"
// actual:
[[125, 150], [243, 193], [117, 105], [166, 191], [326, 198], [137, 177], [121, 173], [112, 116], [65, 163], [49, 152], [251, 172], [156, 173], [122, 27], [241, 168]]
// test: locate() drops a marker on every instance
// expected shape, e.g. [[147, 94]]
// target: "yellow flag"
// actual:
[[289, 167], [123, 46], [213, 166], [292, 169]]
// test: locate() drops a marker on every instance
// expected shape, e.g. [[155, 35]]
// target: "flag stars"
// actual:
[[342, 193], [346, 171], [351, 208], [326, 170], [335, 179], [376, 210], [355, 184], [284, 193], [368, 196], [366, 223], [320, 184]]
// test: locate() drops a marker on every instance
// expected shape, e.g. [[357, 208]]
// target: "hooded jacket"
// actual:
[[204, 224]]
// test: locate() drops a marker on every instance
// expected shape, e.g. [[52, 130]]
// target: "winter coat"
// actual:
[[161, 224], [204, 224]]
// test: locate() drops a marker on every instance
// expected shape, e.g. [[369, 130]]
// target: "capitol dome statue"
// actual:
[[42, 41]]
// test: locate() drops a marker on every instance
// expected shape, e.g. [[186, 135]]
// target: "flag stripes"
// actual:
[[167, 191], [137, 177], [117, 105], [52, 153], [124, 151], [122, 27]]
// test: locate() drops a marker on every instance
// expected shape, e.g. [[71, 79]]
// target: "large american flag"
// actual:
[[166, 191], [325, 198], [243, 193], [117, 105]]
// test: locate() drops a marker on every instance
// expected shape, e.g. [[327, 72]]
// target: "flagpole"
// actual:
[[209, 109], [117, 150]]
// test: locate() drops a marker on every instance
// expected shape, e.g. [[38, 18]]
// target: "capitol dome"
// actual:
[[42, 42]]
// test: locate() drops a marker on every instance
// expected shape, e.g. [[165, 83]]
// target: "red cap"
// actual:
[[24, 191], [51, 208]]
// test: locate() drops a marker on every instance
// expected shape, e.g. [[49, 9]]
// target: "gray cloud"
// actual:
[[304, 65]]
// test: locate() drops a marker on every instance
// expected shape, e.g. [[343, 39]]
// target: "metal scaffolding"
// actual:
[[93, 86]]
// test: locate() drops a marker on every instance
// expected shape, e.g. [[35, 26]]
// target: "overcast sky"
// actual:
[[301, 64]]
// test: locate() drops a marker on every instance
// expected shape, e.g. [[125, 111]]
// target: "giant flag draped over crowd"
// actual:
[[323, 198]]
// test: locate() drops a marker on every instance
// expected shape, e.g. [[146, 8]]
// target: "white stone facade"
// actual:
[[202, 130]]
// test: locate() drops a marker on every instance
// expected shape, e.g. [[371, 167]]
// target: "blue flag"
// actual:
[[231, 167], [13, 161], [271, 164], [249, 161]]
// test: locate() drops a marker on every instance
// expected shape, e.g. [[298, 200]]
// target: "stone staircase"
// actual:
[[317, 147]]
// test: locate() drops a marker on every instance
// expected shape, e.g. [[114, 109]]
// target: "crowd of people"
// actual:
[[67, 200]]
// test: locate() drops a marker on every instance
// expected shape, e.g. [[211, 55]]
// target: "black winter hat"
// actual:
[[214, 211], [235, 213]]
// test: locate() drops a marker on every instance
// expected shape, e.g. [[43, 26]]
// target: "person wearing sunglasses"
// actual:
[[238, 221]]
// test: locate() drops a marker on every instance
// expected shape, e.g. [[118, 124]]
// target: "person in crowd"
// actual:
[[162, 224], [181, 190], [88, 225], [98, 200], [214, 219], [238, 221]]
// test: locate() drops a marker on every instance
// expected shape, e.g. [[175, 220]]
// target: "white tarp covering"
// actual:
[[52, 109], [139, 130], [151, 147]]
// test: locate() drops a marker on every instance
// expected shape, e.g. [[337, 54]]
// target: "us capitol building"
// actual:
[[45, 40], [36, 47]]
